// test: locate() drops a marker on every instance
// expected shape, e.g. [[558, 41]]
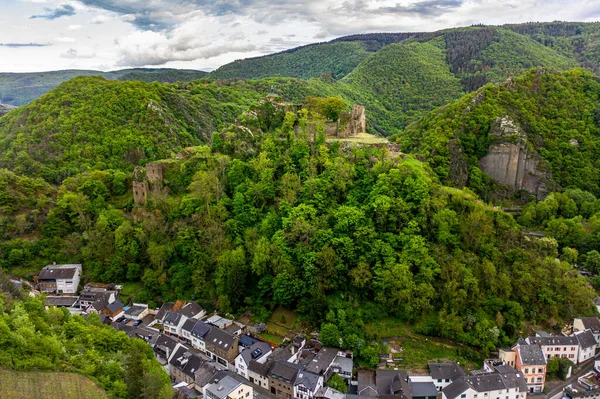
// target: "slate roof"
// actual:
[[172, 318], [592, 323], [60, 301], [345, 364], [322, 361], [285, 371], [329, 393], [444, 371], [281, 354], [233, 328], [191, 309], [87, 295], [115, 306], [487, 382], [163, 343], [62, 272], [189, 325], [101, 301], [220, 338], [207, 374], [247, 353], [423, 389], [167, 306], [247, 341], [532, 355], [224, 387], [148, 334], [556, 340], [386, 378], [261, 369], [135, 310], [586, 339], [367, 385], [308, 379], [186, 361], [201, 329]]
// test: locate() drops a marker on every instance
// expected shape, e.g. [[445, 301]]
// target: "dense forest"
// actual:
[[270, 214], [32, 338]]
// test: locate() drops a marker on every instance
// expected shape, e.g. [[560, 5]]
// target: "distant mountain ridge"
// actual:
[[21, 88]]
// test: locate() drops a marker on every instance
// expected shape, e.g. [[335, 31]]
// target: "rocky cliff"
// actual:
[[4, 108], [512, 163]]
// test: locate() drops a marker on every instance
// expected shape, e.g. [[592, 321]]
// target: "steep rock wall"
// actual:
[[510, 162]]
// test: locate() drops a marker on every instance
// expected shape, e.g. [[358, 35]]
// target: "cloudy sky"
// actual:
[[40, 35]]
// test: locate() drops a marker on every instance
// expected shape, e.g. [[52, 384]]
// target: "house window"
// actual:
[[540, 371], [526, 371], [464, 395], [447, 379], [572, 349], [549, 349], [439, 380], [539, 379]]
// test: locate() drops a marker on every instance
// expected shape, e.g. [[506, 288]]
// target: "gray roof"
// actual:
[[285, 371], [423, 389], [135, 310], [456, 388], [87, 295], [164, 342], [487, 382], [386, 378], [247, 353], [261, 369], [113, 307], [593, 323], [223, 387], [53, 272], [532, 355], [345, 364], [191, 309], [189, 325], [308, 379], [329, 393], [597, 301], [201, 329], [186, 361], [366, 383], [172, 318], [233, 328], [60, 301], [586, 339], [322, 361], [163, 310], [148, 334], [443, 371], [208, 373], [220, 338], [281, 354], [556, 340]]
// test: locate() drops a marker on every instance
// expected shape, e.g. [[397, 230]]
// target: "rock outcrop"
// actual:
[[5, 108], [512, 163]]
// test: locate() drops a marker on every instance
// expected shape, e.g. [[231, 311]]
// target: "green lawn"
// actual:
[[271, 338], [41, 385], [129, 291]]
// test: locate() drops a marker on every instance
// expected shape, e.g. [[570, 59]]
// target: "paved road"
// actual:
[[578, 371]]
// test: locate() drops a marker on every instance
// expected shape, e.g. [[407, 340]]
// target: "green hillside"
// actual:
[[552, 109], [164, 76], [335, 59]]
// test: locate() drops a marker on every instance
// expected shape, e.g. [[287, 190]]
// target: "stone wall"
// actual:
[[146, 180], [354, 122], [510, 162]]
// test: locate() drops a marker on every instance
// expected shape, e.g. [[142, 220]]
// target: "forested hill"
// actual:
[[558, 113], [21, 88]]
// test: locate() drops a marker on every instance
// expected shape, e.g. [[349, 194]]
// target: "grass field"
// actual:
[[271, 338], [40, 385], [364, 138]]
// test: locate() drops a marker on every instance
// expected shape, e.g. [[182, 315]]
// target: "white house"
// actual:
[[198, 334], [258, 373], [307, 384], [587, 345], [59, 279], [227, 388], [186, 329], [258, 352], [137, 312], [173, 322], [557, 346], [443, 374], [505, 383], [588, 323]]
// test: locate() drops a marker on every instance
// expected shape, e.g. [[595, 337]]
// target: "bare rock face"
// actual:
[[354, 122], [510, 162], [5, 108]]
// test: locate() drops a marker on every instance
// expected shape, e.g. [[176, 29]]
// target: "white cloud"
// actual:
[[75, 54], [74, 27], [64, 39]]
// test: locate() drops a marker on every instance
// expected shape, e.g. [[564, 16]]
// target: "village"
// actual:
[[211, 356]]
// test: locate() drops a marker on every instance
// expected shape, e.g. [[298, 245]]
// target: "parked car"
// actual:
[[120, 319], [125, 320], [137, 323]]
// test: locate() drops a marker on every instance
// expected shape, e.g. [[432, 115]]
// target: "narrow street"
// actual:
[[557, 386]]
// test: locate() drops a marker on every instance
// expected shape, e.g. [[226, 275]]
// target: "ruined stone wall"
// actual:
[[350, 124], [146, 180]]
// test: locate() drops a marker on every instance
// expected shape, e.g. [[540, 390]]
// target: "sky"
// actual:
[[43, 35]]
